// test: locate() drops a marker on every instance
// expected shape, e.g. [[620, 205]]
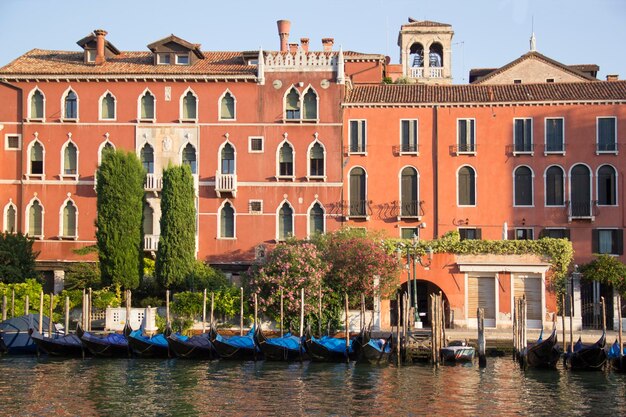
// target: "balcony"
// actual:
[[225, 183], [580, 210], [411, 209], [355, 148], [421, 72], [606, 147], [359, 209], [464, 149], [406, 149], [153, 183], [150, 243], [522, 149]]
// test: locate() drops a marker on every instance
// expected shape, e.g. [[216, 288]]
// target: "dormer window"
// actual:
[[90, 55], [163, 59], [182, 59]]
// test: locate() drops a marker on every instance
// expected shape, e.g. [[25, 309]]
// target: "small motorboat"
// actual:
[[15, 338], [543, 354], [617, 363], [457, 351], [588, 357], [112, 345], [155, 346], [285, 348], [68, 345], [374, 351], [326, 348], [235, 347], [196, 347]]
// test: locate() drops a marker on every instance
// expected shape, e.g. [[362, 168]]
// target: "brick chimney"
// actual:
[[100, 42], [284, 26], [327, 43], [612, 77], [304, 42], [293, 48]]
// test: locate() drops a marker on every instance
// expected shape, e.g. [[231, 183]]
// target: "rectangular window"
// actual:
[[409, 232], [182, 59], [607, 134], [255, 206], [408, 136], [91, 55], [255, 144], [466, 135], [524, 234], [523, 135], [556, 233], [517, 81], [608, 241], [358, 136], [554, 135], [163, 59], [470, 233], [12, 142]]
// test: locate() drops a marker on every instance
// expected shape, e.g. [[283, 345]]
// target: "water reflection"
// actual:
[[143, 387]]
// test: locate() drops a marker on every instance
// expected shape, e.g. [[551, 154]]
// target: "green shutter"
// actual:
[[147, 106], [227, 107], [310, 105]]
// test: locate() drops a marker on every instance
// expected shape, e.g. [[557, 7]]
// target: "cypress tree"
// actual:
[[119, 234], [177, 244]]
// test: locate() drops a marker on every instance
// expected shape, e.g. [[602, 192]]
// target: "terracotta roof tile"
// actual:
[[472, 93]]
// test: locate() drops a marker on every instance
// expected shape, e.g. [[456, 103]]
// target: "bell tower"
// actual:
[[426, 51]]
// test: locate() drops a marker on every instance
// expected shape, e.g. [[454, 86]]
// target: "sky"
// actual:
[[487, 33]]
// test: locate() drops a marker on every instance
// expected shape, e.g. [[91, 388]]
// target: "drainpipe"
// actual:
[[435, 171]]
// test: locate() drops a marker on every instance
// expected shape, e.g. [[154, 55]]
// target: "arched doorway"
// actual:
[[424, 291]]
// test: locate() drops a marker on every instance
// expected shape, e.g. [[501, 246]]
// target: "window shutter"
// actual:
[[228, 107], [618, 244], [595, 241], [310, 105], [479, 234]]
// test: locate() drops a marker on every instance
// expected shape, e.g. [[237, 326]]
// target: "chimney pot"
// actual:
[[293, 48], [328, 44], [284, 26], [304, 42], [100, 42], [612, 77]]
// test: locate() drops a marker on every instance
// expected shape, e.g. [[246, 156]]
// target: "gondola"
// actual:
[[618, 365], [112, 345], [285, 348], [14, 334], [457, 351], [235, 347], [196, 347], [374, 351], [588, 357], [68, 345], [543, 354], [149, 346], [326, 349]]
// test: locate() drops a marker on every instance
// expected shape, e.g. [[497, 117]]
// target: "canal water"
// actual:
[[143, 387]]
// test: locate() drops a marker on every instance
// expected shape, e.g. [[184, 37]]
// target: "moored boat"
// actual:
[[196, 347], [457, 351], [326, 348], [543, 354], [148, 346], [112, 345], [285, 348], [617, 363], [68, 345], [235, 347], [374, 351], [588, 357], [15, 337]]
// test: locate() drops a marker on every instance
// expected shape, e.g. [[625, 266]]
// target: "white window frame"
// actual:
[[160, 56], [317, 104], [532, 137], [475, 186], [180, 155], [181, 105], [114, 107], [5, 217], [141, 96], [250, 138], [367, 217], [308, 217], [29, 106], [458, 144], [178, 56], [62, 174], [598, 152], [417, 136], [417, 228], [616, 186], [545, 136], [532, 187], [101, 148], [250, 211], [63, 97], [61, 220], [28, 163], [287, 91], [591, 181], [364, 141], [91, 55], [531, 229], [219, 157], [293, 220], [293, 163], [43, 218], [308, 165], [6, 141], [219, 221], [417, 172], [219, 106], [545, 186]]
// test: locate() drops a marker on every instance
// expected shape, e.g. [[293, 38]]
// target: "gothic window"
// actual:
[[466, 186], [285, 222], [316, 219], [228, 159], [189, 106], [285, 161], [316, 161], [310, 105], [227, 221], [10, 219], [70, 105], [148, 220], [227, 107], [35, 219], [292, 105], [69, 220], [189, 157], [523, 186], [70, 159], [147, 106], [107, 111], [554, 186], [147, 158], [36, 159], [36, 105]]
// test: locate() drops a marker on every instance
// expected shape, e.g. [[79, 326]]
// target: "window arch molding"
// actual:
[[580, 200], [304, 111], [194, 162], [29, 151], [101, 149], [614, 186], [220, 114], [101, 109], [219, 156], [285, 203], [227, 203], [64, 109], [308, 217], [297, 115], [140, 105], [68, 171], [5, 218], [29, 104], [546, 186], [404, 210], [357, 210], [149, 165], [517, 171], [182, 105], [569, 175], [293, 159], [308, 165], [62, 220], [27, 223], [475, 187]]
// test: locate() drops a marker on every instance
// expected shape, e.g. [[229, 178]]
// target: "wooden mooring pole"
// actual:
[[83, 317], [347, 329], [563, 319], [4, 307], [67, 315], [89, 308], [241, 313], [282, 312], [301, 312], [204, 311], [12, 303], [515, 310], [40, 329], [398, 357], [256, 317], [167, 309], [26, 305], [482, 348], [619, 333], [51, 311], [319, 312], [571, 320], [128, 307], [212, 318]]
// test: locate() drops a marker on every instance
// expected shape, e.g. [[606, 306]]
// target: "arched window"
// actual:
[[316, 161], [35, 219], [554, 186], [227, 107], [285, 161], [580, 191], [416, 58], [189, 157], [190, 106], [10, 218], [409, 201], [107, 111], [36, 158], [285, 222], [435, 56], [104, 148], [357, 192], [523, 187], [36, 105], [467, 186], [292, 104], [147, 106], [228, 159], [607, 186], [69, 220], [148, 220], [316, 219], [310, 105], [70, 105], [227, 221], [147, 158], [70, 159]]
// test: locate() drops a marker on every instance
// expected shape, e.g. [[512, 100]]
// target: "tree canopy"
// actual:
[[17, 259], [606, 269]]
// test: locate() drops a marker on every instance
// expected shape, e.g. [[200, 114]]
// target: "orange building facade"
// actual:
[[294, 142]]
